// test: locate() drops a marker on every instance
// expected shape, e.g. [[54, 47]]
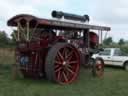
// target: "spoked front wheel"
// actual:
[[98, 67]]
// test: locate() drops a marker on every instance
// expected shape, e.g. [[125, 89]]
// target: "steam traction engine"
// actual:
[[54, 49]]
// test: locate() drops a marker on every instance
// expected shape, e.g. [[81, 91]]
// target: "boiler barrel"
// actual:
[[69, 16]]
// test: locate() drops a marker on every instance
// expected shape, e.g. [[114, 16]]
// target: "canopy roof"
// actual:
[[56, 24]]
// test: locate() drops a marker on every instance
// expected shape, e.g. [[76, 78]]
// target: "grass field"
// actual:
[[114, 83]]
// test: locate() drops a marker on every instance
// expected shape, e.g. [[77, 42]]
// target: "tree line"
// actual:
[[109, 42], [122, 44]]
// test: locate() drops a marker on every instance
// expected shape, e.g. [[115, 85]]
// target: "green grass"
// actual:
[[114, 83]]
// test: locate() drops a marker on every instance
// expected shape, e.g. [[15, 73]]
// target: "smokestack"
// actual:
[[69, 16]]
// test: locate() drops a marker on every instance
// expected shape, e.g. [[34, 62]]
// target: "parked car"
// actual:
[[113, 56]]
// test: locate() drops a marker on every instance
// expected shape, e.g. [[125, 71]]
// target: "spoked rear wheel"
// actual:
[[62, 63], [98, 67]]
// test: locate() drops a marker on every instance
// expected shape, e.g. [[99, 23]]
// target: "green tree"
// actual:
[[4, 40], [13, 38], [108, 41], [121, 42]]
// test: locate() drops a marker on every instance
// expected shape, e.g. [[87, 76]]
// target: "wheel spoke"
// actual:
[[71, 62], [58, 75], [56, 66], [65, 77], [58, 69], [69, 70], [69, 66], [60, 55], [69, 55], [58, 62], [64, 52], [58, 58], [69, 58]]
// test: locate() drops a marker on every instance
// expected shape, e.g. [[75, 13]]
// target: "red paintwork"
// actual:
[[93, 37], [36, 51]]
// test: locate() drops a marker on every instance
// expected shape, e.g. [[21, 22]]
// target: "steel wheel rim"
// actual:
[[99, 68], [67, 63]]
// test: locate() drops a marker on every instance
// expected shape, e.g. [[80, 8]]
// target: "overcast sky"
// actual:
[[113, 13]]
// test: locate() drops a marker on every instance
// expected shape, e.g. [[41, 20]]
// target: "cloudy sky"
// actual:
[[113, 13]]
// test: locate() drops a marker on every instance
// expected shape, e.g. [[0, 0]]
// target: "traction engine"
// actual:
[[55, 48]]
